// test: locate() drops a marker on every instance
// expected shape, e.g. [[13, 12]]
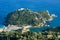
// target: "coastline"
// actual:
[[1, 29]]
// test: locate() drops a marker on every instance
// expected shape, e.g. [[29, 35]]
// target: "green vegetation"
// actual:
[[17, 35], [26, 17], [54, 29], [45, 14]]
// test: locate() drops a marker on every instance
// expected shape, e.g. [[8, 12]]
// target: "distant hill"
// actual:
[[27, 17], [54, 29]]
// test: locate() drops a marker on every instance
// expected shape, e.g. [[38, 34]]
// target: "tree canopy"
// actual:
[[26, 17]]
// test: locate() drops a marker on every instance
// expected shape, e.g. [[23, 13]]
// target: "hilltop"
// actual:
[[24, 16]]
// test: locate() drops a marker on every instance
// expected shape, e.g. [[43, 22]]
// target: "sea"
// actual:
[[53, 6]]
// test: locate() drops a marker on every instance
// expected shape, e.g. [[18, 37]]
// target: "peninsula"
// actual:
[[27, 18]]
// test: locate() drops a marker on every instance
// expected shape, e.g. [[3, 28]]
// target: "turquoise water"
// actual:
[[1, 26], [37, 29]]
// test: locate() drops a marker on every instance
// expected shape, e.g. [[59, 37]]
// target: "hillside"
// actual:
[[27, 17], [54, 29]]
